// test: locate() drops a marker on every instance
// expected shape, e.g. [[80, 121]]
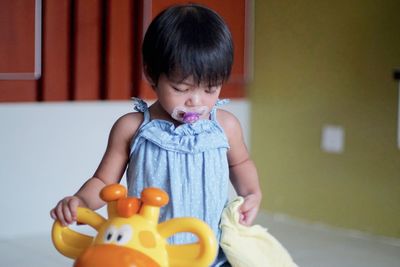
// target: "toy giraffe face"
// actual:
[[132, 236], [132, 226], [134, 233]]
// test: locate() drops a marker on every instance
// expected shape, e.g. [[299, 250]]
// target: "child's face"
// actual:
[[185, 101]]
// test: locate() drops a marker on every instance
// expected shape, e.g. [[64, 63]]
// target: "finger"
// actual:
[[53, 214], [247, 204], [242, 219], [247, 218], [251, 216], [59, 213], [73, 207], [245, 207], [67, 213]]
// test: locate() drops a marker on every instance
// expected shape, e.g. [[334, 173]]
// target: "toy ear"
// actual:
[[113, 192], [126, 207], [156, 197]]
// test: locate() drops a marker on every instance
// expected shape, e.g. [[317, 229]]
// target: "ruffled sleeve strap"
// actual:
[[219, 103], [141, 106]]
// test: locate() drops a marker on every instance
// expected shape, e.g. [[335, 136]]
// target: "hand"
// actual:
[[66, 210], [249, 209]]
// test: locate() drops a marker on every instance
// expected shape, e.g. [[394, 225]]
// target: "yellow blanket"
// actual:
[[250, 246]]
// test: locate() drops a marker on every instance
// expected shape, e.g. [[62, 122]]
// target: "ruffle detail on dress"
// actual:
[[187, 138], [221, 102], [139, 104]]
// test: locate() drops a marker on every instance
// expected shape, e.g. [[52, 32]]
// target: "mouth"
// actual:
[[189, 115]]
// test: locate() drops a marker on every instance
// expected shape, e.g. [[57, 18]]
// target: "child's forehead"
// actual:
[[189, 80]]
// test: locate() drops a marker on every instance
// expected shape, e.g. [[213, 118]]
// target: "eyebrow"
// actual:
[[186, 83], [181, 82], [178, 81]]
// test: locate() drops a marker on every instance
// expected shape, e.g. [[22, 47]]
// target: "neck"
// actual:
[[157, 112]]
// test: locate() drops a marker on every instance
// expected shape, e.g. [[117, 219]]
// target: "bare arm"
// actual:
[[110, 170], [242, 171], [113, 164]]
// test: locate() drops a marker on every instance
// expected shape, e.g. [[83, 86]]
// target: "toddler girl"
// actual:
[[182, 143]]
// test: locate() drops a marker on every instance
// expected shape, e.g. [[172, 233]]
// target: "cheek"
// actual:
[[212, 100], [169, 103]]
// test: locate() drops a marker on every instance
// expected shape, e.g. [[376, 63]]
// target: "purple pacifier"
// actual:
[[190, 117]]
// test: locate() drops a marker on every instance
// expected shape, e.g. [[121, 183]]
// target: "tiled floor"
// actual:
[[310, 245]]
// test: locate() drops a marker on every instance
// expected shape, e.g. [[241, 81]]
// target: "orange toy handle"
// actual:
[[71, 243], [200, 254]]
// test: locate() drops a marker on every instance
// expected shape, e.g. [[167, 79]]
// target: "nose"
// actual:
[[194, 99]]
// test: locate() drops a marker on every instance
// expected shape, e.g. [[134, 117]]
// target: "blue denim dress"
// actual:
[[189, 162]]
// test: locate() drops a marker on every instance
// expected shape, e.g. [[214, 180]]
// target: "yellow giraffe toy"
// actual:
[[132, 237]]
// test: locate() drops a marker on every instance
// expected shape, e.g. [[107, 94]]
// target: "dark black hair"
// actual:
[[188, 40]]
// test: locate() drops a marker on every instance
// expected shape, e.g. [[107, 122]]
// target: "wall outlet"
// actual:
[[332, 140]]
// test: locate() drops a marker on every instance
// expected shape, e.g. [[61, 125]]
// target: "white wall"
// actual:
[[48, 150]]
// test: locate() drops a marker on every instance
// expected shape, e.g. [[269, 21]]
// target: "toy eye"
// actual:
[[110, 234], [124, 234]]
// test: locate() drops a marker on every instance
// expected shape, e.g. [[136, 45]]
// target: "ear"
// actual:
[[152, 83]]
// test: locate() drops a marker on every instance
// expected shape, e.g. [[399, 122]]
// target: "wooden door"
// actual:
[[20, 49], [66, 50]]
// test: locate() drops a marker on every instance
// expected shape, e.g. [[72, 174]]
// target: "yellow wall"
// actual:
[[328, 62]]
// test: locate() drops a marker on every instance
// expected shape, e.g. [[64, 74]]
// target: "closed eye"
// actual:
[[178, 89], [211, 90]]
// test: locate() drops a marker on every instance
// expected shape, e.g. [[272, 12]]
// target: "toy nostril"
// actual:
[[113, 192], [154, 197]]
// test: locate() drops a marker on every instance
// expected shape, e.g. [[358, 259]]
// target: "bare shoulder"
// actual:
[[228, 121], [127, 125], [233, 130]]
